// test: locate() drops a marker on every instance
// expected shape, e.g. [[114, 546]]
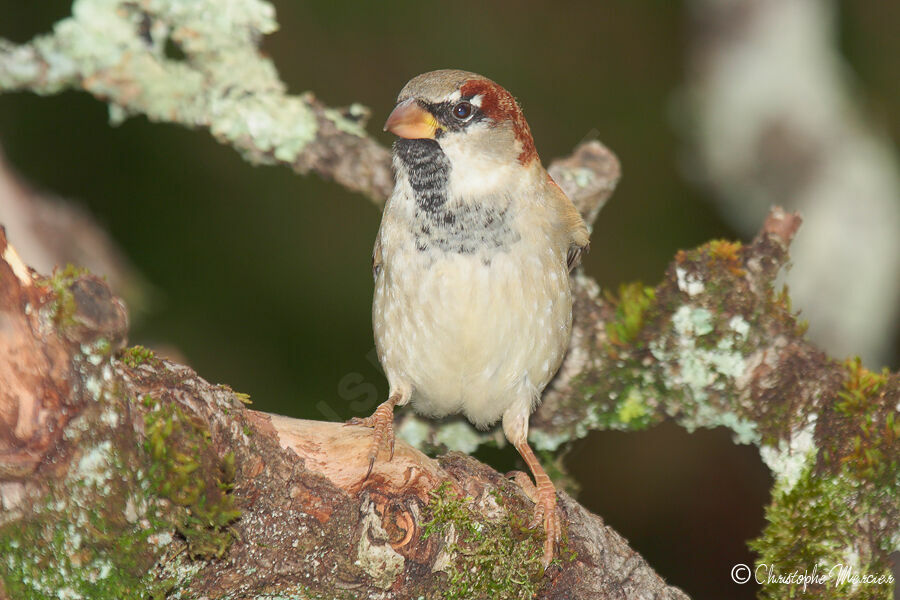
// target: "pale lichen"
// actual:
[[413, 431], [374, 553], [75, 529], [790, 458], [226, 84], [689, 283], [550, 441], [457, 435], [452, 434]]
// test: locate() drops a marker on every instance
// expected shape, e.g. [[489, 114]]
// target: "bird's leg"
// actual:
[[545, 503], [383, 422]]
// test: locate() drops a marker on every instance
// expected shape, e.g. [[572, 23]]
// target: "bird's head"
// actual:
[[477, 125]]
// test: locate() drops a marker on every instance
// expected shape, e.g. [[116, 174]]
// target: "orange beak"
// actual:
[[410, 121]]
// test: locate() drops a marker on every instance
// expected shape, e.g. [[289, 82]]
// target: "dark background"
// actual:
[[260, 278]]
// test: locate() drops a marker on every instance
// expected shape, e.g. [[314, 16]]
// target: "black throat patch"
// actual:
[[463, 228], [428, 171]]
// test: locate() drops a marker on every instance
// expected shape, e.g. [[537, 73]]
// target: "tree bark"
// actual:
[[126, 476]]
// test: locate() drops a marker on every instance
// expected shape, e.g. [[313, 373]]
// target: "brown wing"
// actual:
[[376, 258], [579, 238], [575, 254]]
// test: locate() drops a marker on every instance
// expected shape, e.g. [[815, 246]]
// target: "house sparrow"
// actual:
[[473, 309]]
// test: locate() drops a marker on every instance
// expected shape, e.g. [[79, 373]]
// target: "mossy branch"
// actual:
[[716, 344], [124, 476]]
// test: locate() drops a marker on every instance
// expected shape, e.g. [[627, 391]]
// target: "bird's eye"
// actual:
[[462, 110]]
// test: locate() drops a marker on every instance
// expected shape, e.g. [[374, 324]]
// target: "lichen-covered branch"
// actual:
[[126, 476], [116, 50], [715, 344], [120, 52]]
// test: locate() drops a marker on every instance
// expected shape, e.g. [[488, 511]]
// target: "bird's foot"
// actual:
[[382, 420], [545, 510], [524, 481], [544, 495]]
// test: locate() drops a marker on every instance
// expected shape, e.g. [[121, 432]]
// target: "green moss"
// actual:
[[78, 542], [63, 307], [867, 439], [496, 560], [632, 408], [244, 398], [728, 253], [805, 525], [632, 303], [623, 396], [138, 355], [181, 456], [816, 524], [53, 557], [629, 409]]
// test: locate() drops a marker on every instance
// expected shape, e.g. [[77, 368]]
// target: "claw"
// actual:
[[382, 420]]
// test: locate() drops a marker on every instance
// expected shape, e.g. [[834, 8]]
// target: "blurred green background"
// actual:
[[261, 277]]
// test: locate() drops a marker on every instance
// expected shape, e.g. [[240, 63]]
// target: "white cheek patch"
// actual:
[[475, 174]]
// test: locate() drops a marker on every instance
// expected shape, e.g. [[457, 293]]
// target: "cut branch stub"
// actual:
[[588, 176], [398, 489]]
